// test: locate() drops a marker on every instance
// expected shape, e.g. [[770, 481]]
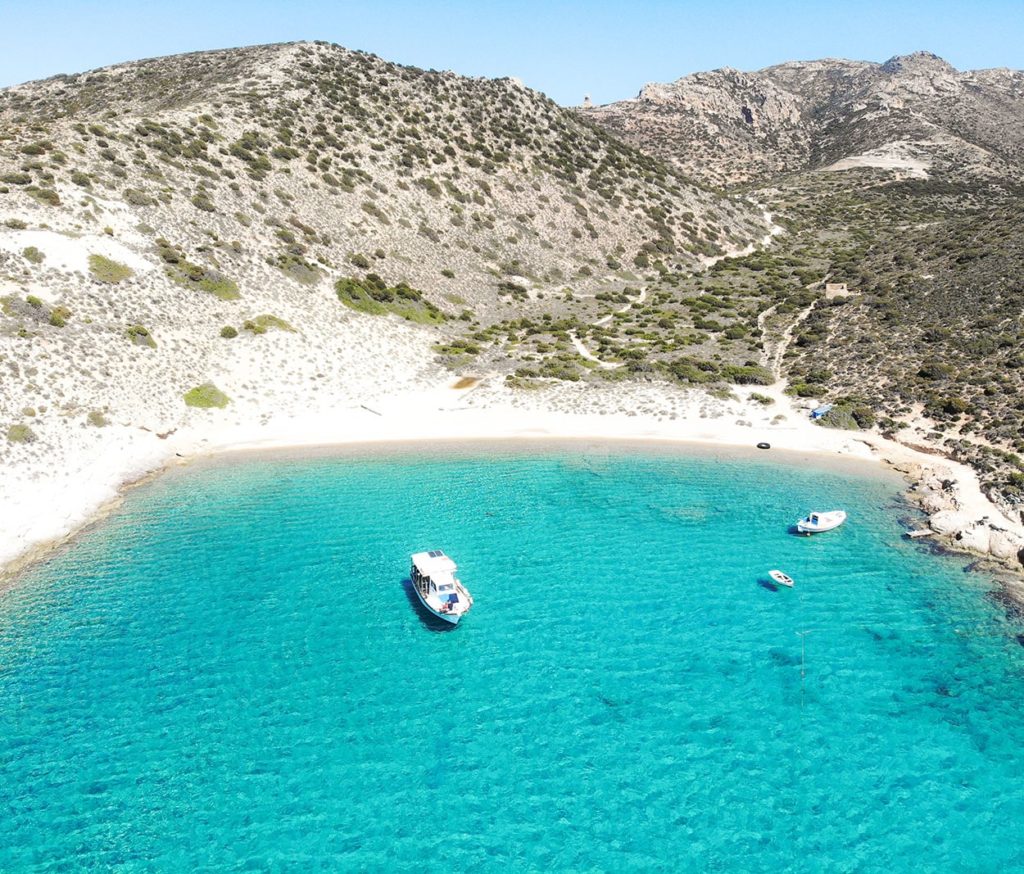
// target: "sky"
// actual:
[[565, 48]]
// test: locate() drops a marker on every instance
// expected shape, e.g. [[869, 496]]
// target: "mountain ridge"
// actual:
[[800, 115]]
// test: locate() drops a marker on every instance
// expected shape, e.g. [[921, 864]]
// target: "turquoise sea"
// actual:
[[230, 673]]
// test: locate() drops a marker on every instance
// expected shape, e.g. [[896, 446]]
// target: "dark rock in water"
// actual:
[[943, 690], [1014, 609], [1020, 639], [783, 658]]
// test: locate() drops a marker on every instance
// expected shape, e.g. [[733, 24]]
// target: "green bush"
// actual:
[[138, 198], [21, 434], [97, 419], [298, 268], [46, 196], [863, 416], [201, 200], [372, 295], [140, 336], [228, 332], [839, 417], [33, 254], [206, 396], [261, 324], [750, 374], [108, 271], [197, 276]]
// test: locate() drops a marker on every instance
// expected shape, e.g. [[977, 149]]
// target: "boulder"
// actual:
[[948, 522], [1004, 545], [934, 502], [975, 538]]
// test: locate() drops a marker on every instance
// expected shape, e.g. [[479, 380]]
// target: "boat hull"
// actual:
[[450, 618], [826, 522]]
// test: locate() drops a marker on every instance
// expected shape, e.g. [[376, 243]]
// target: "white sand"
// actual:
[[71, 253]]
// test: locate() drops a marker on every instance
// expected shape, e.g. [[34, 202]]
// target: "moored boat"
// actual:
[[437, 587], [781, 579], [813, 523]]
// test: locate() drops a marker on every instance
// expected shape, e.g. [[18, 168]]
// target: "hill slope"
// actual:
[[299, 224]]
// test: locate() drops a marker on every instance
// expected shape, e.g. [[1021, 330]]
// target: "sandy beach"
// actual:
[[43, 507]]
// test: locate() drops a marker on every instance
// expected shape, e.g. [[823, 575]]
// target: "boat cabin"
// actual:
[[433, 573]]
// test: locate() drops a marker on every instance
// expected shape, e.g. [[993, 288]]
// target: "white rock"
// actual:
[[1004, 545], [976, 538], [935, 502], [947, 522]]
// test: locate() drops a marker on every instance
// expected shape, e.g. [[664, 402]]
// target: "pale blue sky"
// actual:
[[564, 48]]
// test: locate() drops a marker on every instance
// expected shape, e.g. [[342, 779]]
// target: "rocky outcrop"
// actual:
[[934, 491], [728, 126]]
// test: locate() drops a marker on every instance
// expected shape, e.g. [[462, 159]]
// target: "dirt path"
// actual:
[[604, 320], [773, 231], [774, 350]]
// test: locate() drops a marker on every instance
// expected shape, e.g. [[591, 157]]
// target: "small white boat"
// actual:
[[814, 523], [781, 578], [434, 581]]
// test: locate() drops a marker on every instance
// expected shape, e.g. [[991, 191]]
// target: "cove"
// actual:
[[231, 672]]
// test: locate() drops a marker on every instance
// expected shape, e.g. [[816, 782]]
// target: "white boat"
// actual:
[[814, 523], [434, 581], [781, 578]]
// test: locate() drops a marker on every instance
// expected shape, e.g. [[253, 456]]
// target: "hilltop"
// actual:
[[914, 112]]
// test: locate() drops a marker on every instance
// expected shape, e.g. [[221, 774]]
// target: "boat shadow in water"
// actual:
[[428, 619], [765, 583]]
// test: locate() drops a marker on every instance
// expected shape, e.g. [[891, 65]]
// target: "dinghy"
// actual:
[[781, 579]]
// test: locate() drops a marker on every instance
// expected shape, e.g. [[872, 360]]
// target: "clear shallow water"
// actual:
[[232, 674]]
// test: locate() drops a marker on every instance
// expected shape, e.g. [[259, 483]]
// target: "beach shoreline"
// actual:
[[52, 510]]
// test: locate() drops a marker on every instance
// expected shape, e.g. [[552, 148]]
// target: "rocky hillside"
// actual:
[[914, 112], [901, 182], [251, 227]]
